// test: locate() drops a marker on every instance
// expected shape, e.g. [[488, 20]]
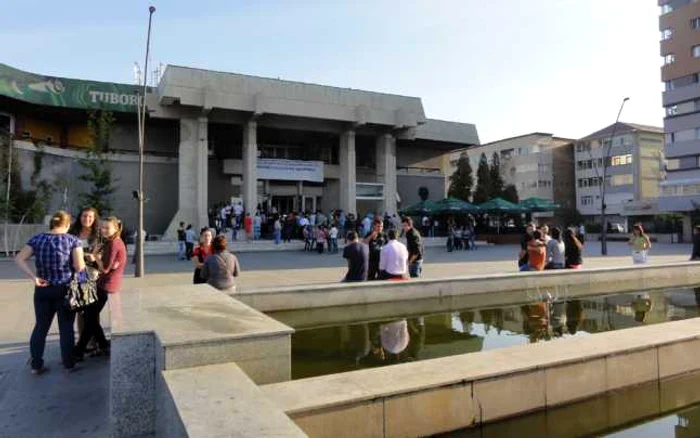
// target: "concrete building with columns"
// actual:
[[215, 136]]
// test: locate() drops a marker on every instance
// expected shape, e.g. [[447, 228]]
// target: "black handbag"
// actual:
[[81, 294]]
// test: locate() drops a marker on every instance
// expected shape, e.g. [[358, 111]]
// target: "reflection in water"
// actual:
[[328, 350]]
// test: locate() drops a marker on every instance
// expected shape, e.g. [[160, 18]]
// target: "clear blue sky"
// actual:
[[509, 66]]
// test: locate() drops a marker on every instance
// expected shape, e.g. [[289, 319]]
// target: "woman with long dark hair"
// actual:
[[57, 255], [573, 250], [110, 261]]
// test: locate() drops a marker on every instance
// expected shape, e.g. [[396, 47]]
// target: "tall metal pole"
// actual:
[[140, 269], [606, 156], [7, 193]]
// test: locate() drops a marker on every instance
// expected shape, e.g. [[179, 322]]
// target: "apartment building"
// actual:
[[634, 156], [679, 24], [537, 164]]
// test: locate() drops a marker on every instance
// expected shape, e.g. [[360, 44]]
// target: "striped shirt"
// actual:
[[52, 254]]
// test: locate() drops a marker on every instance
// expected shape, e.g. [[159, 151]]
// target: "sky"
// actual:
[[509, 66]]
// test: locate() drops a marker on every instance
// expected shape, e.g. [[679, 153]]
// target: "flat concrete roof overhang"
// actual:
[[192, 91]]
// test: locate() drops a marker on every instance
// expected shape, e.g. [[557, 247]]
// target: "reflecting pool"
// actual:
[[410, 335]]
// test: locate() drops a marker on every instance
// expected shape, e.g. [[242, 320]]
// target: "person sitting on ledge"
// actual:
[[536, 253], [220, 268]]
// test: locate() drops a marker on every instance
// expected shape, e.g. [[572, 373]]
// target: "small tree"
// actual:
[[496, 179], [423, 193], [462, 180], [483, 181], [510, 193], [98, 170]]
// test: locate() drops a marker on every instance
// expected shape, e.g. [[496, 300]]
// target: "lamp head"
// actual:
[[152, 9], [625, 99]]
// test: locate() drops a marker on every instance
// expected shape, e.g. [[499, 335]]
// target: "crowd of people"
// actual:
[[90, 249], [381, 256], [541, 249]]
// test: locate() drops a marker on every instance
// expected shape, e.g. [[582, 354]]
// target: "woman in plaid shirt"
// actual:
[[57, 255]]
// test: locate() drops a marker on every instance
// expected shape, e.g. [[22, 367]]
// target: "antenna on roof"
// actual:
[[137, 74]]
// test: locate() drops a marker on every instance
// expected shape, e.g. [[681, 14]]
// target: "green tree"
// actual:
[[483, 181], [97, 169], [423, 193], [25, 205], [462, 180], [510, 193], [496, 178]]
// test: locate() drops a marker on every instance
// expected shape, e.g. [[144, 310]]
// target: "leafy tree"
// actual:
[[496, 178], [98, 170], [510, 193], [25, 205], [483, 181], [462, 180], [423, 192]]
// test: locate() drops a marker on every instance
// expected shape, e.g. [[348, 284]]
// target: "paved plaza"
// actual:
[[79, 401]]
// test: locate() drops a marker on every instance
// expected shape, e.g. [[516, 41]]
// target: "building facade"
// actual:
[[634, 170], [679, 24], [537, 164], [221, 136]]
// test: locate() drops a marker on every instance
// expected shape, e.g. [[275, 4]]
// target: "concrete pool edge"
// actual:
[[571, 282], [484, 387]]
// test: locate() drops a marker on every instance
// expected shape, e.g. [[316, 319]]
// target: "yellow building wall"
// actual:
[[41, 130], [79, 136]]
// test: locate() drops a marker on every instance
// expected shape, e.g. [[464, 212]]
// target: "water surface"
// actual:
[[411, 336]]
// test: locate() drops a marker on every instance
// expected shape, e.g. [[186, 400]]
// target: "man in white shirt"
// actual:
[[393, 260]]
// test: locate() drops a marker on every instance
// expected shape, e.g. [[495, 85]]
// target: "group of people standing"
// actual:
[[540, 250], [381, 256], [89, 249]]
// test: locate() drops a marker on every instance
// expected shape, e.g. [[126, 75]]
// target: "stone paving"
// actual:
[[70, 405]]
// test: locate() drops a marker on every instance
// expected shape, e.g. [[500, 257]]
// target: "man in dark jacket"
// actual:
[[414, 244]]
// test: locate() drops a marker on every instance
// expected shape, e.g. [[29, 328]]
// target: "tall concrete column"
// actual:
[[250, 166], [348, 201], [386, 171], [193, 168], [202, 171]]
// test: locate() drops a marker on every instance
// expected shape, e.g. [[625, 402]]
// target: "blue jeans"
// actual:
[[278, 237], [415, 269], [256, 233], [180, 249], [50, 301], [333, 245]]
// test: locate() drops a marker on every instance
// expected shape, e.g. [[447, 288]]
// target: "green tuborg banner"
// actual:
[[70, 93]]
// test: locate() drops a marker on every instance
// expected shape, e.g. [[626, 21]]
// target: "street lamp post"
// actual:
[[141, 120], [606, 156]]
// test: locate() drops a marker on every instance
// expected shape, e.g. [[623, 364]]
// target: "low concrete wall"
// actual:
[[557, 283], [220, 401], [441, 395], [177, 327]]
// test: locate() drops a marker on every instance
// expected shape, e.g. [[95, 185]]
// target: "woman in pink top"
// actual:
[[111, 261]]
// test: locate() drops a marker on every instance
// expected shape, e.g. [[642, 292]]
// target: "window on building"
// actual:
[[672, 110], [669, 59], [666, 34], [621, 160], [695, 23], [696, 51], [619, 180], [586, 200], [665, 9]]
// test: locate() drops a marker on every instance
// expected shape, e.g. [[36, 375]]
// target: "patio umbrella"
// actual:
[[426, 207], [535, 204], [454, 205], [500, 205]]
